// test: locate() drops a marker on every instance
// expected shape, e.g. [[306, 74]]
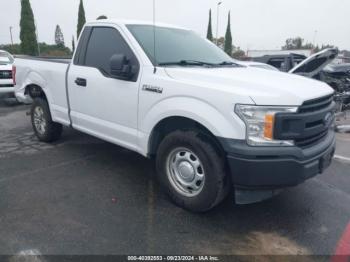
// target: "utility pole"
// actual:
[[217, 23], [37, 37], [11, 35]]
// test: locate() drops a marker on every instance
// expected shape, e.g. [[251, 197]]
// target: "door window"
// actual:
[[105, 42]]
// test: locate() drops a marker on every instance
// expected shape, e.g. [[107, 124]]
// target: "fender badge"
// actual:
[[150, 88]]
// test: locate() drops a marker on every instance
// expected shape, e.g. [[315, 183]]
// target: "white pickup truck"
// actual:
[[6, 81], [211, 123]]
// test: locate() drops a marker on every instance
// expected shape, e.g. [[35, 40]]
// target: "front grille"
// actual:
[[312, 140], [309, 125], [316, 104], [6, 74], [6, 85]]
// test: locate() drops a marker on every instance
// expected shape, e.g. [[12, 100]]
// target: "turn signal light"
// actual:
[[268, 127], [14, 71]]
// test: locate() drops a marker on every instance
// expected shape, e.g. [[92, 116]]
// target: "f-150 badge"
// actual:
[[150, 88]]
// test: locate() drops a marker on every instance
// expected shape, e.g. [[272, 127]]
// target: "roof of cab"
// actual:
[[133, 22]]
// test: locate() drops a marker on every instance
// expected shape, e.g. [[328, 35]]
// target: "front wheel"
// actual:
[[192, 171], [45, 129]]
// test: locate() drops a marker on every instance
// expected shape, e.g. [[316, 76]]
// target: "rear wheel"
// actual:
[[192, 171], [45, 129]]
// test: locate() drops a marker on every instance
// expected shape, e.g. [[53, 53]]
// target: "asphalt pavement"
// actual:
[[84, 196]]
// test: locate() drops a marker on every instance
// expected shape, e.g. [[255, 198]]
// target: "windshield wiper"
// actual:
[[227, 63], [198, 63], [187, 63]]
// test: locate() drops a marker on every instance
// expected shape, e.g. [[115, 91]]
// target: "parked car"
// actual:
[[317, 66], [6, 81], [257, 65], [300, 64], [338, 77], [209, 123], [283, 63]]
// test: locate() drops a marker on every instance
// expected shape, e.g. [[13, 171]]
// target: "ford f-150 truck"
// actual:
[[6, 81], [211, 123]]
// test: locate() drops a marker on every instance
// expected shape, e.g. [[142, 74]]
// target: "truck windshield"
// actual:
[[178, 47]]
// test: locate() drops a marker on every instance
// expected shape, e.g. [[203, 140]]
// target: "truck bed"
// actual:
[[46, 72], [64, 60]]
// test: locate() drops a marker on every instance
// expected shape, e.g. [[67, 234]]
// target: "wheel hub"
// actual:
[[186, 171], [39, 120]]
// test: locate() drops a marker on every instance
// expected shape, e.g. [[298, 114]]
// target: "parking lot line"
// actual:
[[66, 163], [342, 158]]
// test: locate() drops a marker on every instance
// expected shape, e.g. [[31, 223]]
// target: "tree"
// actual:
[[327, 46], [59, 38], [239, 54], [46, 50], [296, 43], [14, 49], [81, 18], [73, 44], [210, 29], [54, 50], [29, 42], [102, 17], [228, 37], [220, 42]]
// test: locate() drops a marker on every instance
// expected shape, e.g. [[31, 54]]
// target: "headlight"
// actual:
[[260, 121]]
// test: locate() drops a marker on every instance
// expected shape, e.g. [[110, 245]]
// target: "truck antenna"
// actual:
[[154, 37]]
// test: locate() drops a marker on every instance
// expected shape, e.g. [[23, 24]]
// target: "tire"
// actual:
[[44, 128], [179, 155]]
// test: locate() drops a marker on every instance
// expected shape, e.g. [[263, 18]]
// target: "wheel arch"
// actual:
[[34, 86], [175, 123], [34, 91]]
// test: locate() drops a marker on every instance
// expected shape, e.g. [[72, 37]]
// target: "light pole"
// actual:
[[217, 23], [314, 41], [11, 35]]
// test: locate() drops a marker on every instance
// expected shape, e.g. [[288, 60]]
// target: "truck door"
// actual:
[[101, 104]]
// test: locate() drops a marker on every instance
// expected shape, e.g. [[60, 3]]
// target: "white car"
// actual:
[[257, 65], [211, 125], [6, 80]]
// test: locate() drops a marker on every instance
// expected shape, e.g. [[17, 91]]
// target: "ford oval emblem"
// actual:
[[327, 121]]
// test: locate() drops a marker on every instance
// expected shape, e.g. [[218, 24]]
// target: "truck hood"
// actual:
[[5, 67], [311, 66], [263, 86]]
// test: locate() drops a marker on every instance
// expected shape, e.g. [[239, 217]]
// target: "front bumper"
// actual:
[[268, 169], [7, 90]]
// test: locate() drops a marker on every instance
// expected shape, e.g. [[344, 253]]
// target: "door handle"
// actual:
[[80, 81]]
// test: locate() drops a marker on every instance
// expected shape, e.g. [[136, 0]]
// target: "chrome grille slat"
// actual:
[[6, 85], [311, 140], [5, 74], [310, 106], [309, 125], [316, 104]]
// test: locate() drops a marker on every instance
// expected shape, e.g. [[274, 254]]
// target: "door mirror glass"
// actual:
[[120, 67]]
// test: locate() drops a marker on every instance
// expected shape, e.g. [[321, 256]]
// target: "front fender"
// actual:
[[220, 124]]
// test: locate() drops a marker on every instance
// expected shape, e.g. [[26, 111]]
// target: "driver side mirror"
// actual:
[[120, 67]]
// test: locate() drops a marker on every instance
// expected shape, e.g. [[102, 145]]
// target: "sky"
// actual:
[[255, 24]]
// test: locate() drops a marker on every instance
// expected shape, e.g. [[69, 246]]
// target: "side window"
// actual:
[[79, 54], [105, 42]]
